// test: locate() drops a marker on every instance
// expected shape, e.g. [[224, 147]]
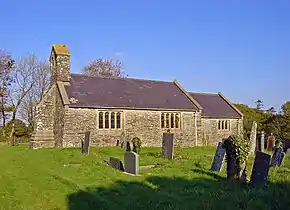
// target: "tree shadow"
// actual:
[[180, 193]]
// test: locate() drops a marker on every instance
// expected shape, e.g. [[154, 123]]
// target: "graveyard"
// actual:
[[85, 179]]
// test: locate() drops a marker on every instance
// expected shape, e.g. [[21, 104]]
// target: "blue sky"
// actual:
[[241, 48]]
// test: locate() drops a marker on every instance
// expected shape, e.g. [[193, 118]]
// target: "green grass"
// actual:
[[37, 179]]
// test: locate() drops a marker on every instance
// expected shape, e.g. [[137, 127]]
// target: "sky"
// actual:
[[239, 48]]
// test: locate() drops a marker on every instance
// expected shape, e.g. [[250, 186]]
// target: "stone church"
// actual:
[[75, 104]]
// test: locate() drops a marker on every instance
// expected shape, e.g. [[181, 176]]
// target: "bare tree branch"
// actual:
[[23, 72], [104, 68]]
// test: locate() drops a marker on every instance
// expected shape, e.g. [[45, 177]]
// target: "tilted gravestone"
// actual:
[[218, 158], [276, 157], [131, 161], [281, 159], [116, 163], [260, 168], [167, 146], [86, 143], [253, 140]]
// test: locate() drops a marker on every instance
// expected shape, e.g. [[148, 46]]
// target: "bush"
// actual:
[[21, 130], [136, 144], [237, 151]]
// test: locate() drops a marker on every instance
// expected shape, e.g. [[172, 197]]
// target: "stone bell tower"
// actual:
[[59, 63]]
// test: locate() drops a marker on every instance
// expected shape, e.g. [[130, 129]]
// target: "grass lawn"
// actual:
[[38, 179]]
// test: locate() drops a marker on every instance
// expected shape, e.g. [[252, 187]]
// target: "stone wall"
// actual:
[[211, 135], [44, 118], [140, 123], [59, 119]]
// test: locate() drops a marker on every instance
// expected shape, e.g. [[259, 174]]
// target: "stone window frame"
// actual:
[[110, 120], [169, 119], [224, 124]]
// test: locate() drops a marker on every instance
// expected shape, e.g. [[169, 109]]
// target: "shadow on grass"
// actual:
[[178, 193]]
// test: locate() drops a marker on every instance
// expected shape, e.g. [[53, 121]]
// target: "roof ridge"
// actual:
[[121, 78]]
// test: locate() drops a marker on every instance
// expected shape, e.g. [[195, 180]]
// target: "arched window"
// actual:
[[171, 120], [113, 120], [223, 125], [226, 124], [162, 121], [107, 120], [101, 120], [177, 121], [118, 120]]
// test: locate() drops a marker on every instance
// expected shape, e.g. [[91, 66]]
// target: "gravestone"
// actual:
[[286, 145], [253, 140], [116, 163], [281, 159], [86, 143], [122, 140], [276, 157], [131, 161], [260, 168], [218, 158], [270, 142], [262, 141], [128, 146], [167, 146], [118, 142], [288, 152]]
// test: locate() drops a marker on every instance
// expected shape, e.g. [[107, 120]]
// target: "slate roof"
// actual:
[[214, 106], [100, 92]]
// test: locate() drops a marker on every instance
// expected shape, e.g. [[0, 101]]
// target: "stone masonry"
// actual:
[[58, 125], [211, 134]]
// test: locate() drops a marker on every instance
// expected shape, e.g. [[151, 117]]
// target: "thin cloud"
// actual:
[[119, 54]]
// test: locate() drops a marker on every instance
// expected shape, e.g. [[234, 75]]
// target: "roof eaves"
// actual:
[[128, 108]]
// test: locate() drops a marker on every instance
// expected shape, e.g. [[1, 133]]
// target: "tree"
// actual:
[[20, 128], [41, 76], [271, 110], [6, 79], [259, 104], [23, 74], [104, 68]]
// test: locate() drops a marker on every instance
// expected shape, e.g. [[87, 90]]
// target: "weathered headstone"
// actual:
[[167, 146], [281, 159], [262, 141], [218, 158], [86, 143], [131, 161], [286, 145], [288, 152], [276, 157], [253, 137], [116, 163], [270, 142], [118, 142], [260, 168]]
